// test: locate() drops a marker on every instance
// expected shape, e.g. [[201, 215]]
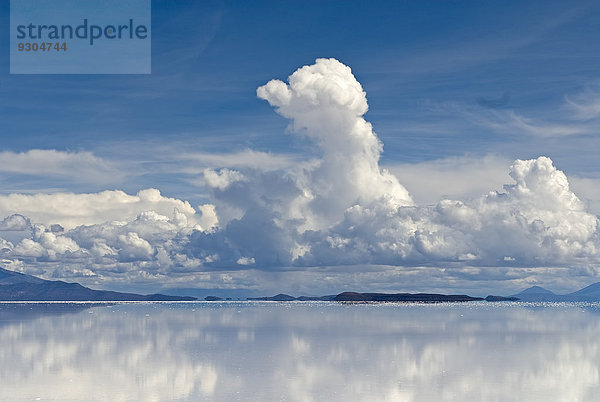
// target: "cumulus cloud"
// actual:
[[71, 210], [103, 234], [221, 179], [15, 222], [326, 104], [337, 206], [147, 246], [468, 177], [342, 208], [535, 221]]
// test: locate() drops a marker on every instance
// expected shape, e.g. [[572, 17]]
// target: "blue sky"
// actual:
[[449, 84], [412, 58]]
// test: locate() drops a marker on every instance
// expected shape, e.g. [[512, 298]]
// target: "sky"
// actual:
[[314, 147]]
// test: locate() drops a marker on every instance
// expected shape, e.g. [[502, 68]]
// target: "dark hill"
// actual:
[[279, 297], [15, 286], [403, 297]]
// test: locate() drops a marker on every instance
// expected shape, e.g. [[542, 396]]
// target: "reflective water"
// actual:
[[300, 352]]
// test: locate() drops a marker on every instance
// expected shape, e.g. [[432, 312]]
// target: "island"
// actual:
[[356, 297], [403, 297]]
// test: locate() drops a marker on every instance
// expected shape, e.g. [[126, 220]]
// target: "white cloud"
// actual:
[[586, 104], [28, 248], [108, 234], [247, 158], [221, 179], [133, 248], [537, 220], [325, 104], [468, 177], [15, 222], [208, 217], [510, 122], [335, 207], [81, 166], [578, 115], [71, 210], [344, 209], [245, 261]]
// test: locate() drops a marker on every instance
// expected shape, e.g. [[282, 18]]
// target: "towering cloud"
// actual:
[[326, 104], [266, 214]]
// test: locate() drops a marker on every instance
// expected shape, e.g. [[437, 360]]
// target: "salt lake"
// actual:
[[300, 351]]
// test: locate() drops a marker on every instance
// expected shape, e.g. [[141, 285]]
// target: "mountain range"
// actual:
[[15, 286], [590, 293]]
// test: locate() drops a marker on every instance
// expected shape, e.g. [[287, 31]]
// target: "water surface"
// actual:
[[300, 351]]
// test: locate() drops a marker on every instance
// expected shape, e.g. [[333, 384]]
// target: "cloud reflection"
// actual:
[[304, 352]]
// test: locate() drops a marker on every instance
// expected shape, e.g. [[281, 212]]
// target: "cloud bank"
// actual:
[[71, 210], [338, 206]]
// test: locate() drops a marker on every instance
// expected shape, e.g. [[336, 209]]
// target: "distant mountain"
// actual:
[[537, 290], [538, 293], [11, 277], [589, 293], [15, 286]]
